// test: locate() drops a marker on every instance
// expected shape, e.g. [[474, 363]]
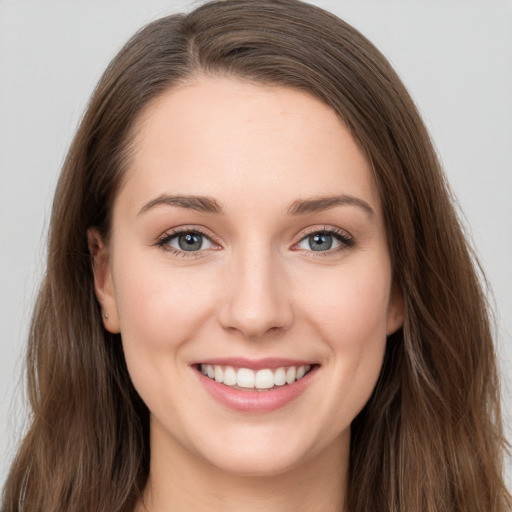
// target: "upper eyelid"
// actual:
[[170, 233], [326, 229]]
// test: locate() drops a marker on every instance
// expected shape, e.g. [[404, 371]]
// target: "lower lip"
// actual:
[[256, 401]]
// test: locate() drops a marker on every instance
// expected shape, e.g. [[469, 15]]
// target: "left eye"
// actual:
[[189, 241], [322, 241]]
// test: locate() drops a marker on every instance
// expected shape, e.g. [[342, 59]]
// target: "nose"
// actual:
[[256, 299]]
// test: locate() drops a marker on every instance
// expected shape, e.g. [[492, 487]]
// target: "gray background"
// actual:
[[455, 57]]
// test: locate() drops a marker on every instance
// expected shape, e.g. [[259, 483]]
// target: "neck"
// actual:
[[180, 481]]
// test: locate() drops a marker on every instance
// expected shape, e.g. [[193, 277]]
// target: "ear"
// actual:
[[395, 318], [103, 283]]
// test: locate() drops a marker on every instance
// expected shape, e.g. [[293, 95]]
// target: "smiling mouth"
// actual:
[[246, 379]]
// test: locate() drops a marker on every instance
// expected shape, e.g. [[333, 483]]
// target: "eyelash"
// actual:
[[164, 240], [342, 237], [346, 241]]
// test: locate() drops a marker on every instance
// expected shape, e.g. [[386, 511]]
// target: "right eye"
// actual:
[[185, 241]]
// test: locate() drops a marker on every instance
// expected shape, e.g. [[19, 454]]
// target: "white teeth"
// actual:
[[229, 376], [249, 379], [290, 374], [219, 373], [245, 378], [280, 377], [301, 370], [264, 379]]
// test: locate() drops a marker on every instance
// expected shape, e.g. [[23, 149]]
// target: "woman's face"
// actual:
[[248, 243]]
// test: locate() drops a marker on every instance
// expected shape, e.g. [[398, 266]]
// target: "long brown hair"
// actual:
[[429, 439]]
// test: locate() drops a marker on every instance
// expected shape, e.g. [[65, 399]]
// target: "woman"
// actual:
[[258, 295]]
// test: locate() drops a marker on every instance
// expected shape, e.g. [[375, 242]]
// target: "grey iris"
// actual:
[[320, 241], [190, 241]]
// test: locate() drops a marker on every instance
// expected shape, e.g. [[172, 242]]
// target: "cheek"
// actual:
[[349, 315], [159, 306], [349, 306], [160, 311]]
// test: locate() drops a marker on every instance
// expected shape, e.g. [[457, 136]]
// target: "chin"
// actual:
[[261, 454], [263, 464]]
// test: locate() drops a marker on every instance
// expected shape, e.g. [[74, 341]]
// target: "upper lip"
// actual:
[[254, 364]]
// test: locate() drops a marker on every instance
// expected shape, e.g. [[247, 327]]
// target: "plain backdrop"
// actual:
[[454, 56]]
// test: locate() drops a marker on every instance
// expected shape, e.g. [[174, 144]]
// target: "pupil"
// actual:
[[190, 241], [320, 242]]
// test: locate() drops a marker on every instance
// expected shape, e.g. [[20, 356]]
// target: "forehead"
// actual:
[[235, 139]]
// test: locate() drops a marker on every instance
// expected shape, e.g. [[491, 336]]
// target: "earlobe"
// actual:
[[395, 318], [103, 283]]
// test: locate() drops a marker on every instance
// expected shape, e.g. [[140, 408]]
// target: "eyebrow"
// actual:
[[320, 204], [198, 203], [298, 207]]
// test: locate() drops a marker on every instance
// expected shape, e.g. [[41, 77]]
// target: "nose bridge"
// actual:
[[257, 300]]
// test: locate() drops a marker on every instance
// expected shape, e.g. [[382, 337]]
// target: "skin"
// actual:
[[257, 290]]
